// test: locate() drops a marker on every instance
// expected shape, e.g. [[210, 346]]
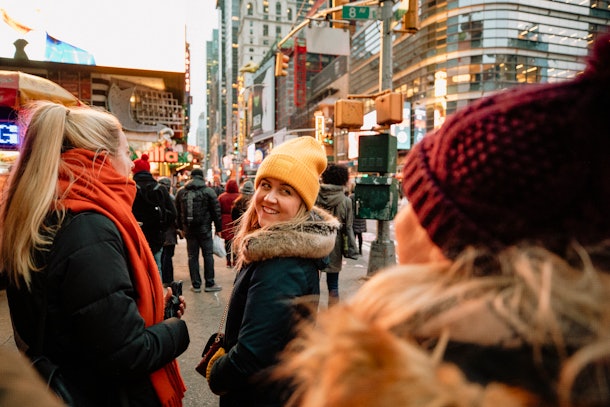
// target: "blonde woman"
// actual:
[[502, 297], [84, 287], [281, 245]]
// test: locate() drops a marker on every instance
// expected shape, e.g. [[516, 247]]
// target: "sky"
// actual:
[[138, 34]]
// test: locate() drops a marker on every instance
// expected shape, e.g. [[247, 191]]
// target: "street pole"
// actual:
[[383, 253]]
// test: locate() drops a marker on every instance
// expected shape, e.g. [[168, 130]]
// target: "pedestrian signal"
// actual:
[[281, 64]]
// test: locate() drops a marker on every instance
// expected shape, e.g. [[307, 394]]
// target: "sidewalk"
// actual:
[[204, 311]]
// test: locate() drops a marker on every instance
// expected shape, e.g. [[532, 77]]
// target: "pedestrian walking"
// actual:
[[226, 200], [170, 241], [199, 211], [281, 245], [217, 185], [502, 295], [333, 199], [241, 203], [152, 207], [84, 291], [359, 224]]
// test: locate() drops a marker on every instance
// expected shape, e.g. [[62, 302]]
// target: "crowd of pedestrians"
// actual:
[[501, 296]]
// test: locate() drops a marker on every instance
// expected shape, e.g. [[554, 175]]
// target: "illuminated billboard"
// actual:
[[137, 34]]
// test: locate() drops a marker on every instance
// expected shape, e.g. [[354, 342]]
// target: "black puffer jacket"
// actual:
[[284, 266], [206, 208], [152, 228], [94, 331]]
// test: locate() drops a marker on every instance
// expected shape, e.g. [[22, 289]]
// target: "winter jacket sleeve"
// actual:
[[170, 206], [90, 265], [267, 323], [214, 208]]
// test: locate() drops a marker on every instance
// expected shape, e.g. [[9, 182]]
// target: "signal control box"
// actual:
[[376, 197], [377, 153]]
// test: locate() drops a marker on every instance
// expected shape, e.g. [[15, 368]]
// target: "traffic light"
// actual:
[[349, 114], [410, 22], [338, 15], [320, 126], [281, 64], [389, 108]]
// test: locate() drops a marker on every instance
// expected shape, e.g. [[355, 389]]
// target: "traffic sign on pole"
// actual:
[[359, 13]]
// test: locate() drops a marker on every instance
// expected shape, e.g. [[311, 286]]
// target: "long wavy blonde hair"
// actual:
[[32, 190], [363, 353]]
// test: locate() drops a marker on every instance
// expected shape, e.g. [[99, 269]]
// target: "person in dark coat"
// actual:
[[333, 199], [147, 198], [358, 225], [84, 290], [242, 202], [281, 245], [198, 209], [170, 241], [226, 200]]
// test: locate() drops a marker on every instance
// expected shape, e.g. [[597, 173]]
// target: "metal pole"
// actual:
[[383, 253]]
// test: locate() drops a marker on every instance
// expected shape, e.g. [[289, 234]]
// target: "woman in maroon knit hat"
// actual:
[[502, 295]]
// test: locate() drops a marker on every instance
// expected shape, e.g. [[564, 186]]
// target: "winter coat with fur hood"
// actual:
[[283, 264]]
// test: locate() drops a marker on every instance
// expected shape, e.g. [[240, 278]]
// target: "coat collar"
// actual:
[[313, 239]]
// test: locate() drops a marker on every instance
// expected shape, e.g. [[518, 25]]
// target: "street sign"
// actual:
[[359, 13]]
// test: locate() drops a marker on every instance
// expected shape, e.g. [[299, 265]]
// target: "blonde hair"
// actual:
[[363, 353], [32, 192], [248, 222]]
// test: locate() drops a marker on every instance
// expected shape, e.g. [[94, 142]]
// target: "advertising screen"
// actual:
[[135, 34], [9, 135]]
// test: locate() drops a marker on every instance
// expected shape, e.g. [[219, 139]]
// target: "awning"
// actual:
[[18, 88]]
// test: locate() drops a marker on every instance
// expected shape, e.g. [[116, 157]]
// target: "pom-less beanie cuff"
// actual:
[[297, 162], [447, 226]]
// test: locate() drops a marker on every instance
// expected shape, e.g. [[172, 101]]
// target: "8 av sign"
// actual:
[[359, 13]]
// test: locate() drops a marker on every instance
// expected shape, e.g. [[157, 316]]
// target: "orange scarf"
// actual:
[[101, 189]]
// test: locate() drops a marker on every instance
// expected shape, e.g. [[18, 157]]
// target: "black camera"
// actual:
[[173, 304]]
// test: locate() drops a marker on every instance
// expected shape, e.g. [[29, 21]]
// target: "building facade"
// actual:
[[462, 50]]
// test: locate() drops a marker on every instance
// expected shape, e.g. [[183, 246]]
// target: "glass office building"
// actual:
[[466, 49]]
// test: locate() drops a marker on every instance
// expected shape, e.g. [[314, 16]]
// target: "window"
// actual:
[[289, 14], [250, 9], [265, 30], [278, 11], [278, 31]]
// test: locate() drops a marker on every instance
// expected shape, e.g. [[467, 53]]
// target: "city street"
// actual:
[[204, 311]]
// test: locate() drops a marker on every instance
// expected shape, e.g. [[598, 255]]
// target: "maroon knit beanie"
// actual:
[[141, 164], [531, 164]]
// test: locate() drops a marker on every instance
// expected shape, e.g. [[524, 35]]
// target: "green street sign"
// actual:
[[359, 13]]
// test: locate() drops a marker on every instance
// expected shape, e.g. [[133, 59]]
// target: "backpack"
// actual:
[[188, 206], [156, 212]]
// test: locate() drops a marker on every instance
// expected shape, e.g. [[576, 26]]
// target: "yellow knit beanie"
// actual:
[[297, 162]]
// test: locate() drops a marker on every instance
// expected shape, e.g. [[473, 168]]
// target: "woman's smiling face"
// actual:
[[276, 201]]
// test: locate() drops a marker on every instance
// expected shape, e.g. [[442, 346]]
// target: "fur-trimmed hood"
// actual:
[[313, 239]]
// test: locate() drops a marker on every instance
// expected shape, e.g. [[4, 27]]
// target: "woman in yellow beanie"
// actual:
[[281, 244]]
